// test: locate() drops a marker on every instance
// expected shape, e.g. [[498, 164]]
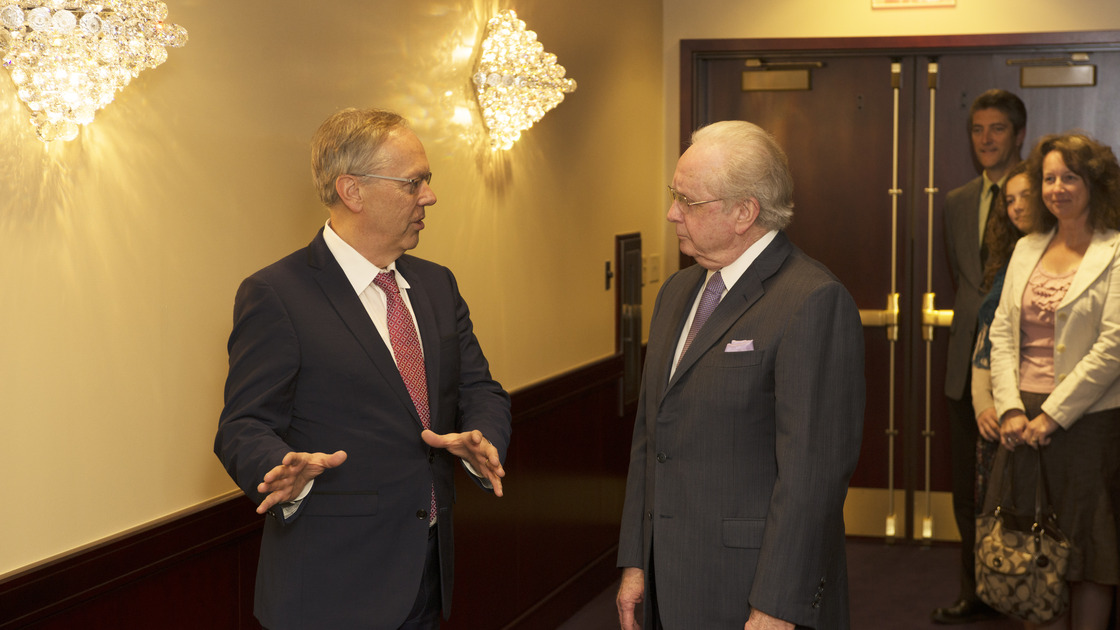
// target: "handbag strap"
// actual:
[[1039, 491], [1041, 497], [1042, 504]]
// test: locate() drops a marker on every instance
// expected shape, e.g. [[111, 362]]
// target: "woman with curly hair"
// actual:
[[1009, 222], [1056, 359]]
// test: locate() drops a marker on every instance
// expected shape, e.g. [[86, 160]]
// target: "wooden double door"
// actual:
[[876, 134]]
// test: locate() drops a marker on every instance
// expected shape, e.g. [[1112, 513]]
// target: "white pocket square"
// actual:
[[740, 345]]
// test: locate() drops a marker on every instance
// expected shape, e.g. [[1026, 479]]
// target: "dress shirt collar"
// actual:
[[359, 271], [731, 273]]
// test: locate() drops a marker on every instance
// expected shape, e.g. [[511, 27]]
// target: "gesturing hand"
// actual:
[[475, 449], [286, 481]]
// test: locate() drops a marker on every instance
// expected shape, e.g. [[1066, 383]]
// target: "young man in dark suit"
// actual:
[[355, 382], [997, 126]]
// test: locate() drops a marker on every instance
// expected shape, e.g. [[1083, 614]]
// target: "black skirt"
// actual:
[[1082, 472]]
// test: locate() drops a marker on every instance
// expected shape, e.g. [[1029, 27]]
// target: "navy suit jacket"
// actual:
[[308, 371], [740, 463]]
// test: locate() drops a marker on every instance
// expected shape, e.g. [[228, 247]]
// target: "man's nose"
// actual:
[[674, 215]]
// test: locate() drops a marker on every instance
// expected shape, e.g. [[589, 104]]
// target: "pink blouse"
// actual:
[[1041, 297]]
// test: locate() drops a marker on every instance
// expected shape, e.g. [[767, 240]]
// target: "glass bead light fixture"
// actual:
[[516, 81], [69, 58]]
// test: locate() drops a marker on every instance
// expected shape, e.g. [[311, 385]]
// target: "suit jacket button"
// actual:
[[649, 515], [661, 457], [431, 456], [421, 514]]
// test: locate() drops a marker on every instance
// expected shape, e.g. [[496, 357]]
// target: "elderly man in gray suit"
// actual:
[[751, 411], [997, 124]]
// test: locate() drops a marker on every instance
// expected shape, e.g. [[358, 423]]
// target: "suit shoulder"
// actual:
[[810, 270], [684, 279], [971, 185], [689, 274], [803, 278], [421, 265], [432, 276], [957, 195], [283, 268]]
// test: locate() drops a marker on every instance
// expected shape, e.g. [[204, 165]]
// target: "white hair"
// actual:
[[753, 165]]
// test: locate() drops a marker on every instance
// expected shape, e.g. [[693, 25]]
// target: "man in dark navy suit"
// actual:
[[355, 382]]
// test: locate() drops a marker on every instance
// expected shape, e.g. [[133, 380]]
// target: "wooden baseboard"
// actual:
[[156, 558], [522, 562]]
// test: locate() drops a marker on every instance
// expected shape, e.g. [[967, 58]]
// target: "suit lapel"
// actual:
[[1099, 255], [970, 232], [346, 303]]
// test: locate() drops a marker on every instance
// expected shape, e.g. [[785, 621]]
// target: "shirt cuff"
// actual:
[[290, 507], [483, 480]]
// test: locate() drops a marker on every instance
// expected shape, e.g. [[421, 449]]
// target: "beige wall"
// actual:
[[120, 251]]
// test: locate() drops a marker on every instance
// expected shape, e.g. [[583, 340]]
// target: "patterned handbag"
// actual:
[[1020, 571]]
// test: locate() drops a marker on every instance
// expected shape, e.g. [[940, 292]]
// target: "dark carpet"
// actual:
[[893, 587]]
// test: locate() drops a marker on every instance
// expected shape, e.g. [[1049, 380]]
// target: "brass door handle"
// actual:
[[932, 317], [887, 317]]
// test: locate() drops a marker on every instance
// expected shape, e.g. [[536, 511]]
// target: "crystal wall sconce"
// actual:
[[516, 81], [69, 58]]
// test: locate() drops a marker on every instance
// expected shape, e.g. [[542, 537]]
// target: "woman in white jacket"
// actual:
[[1056, 359]]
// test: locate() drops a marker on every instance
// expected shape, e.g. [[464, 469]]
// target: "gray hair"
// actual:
[[348, 142], [753, 165]]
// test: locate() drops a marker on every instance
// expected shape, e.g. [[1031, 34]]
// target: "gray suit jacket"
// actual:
[[740, 464], [962, 245]]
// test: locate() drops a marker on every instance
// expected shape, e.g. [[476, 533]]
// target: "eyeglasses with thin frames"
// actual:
[[413, 182], [681, 199]]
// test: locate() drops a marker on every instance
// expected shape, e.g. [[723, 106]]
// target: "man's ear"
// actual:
[[349, 191], [746, 213]]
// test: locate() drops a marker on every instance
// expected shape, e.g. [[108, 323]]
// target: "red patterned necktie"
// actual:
[[406, 351], [708, 303]]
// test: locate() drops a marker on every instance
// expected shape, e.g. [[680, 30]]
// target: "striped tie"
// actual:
[[708, 303], [407, 353]]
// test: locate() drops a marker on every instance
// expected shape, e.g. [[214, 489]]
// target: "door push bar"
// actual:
[[887, 317], [931, 317]]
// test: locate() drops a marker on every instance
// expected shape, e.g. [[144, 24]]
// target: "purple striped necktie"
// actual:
[[708, 303]]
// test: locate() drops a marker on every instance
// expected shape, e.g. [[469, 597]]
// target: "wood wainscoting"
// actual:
[[524, 562]]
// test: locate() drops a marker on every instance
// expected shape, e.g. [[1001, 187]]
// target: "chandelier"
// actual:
[[68, 58], [516, 81]]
